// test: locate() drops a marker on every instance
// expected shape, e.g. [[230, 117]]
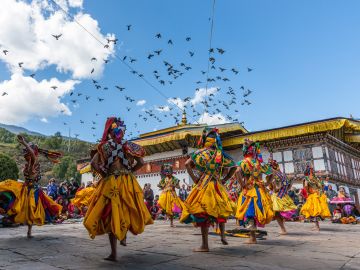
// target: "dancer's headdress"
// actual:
[[211, 138], [252, 149], [166, 169], [113, 123]]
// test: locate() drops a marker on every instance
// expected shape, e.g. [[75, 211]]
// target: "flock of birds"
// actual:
[[224, 101]]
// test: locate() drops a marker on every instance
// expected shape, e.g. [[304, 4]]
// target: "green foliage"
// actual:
[[6, 136], [66, 169], [78, 150], [54, 142], [8, 168]]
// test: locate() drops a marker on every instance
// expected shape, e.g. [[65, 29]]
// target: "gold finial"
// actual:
[[184, 119]]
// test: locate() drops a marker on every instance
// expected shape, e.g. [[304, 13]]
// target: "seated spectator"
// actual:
[[52, 189]]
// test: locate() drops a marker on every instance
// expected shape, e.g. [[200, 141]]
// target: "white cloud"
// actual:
[[27, 34], [44, 120], [141, 102], [201, 94], [178, 102], [29, 98], [212, 119], [76, 3]]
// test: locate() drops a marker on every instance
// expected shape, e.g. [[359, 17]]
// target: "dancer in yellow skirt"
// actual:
[[208, 202], [316, 206], [254, 204], [83, 198], [283, 205], [168, 200], [117, 205], [31, 205]]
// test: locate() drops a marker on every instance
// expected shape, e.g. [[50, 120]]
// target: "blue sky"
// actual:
[[304, 54]]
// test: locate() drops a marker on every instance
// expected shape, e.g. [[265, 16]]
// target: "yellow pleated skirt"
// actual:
[[316, 206], [283, 204], [83, 197], [170, 202], [256, 204], [117, 206], [32, 206], [210, 201]]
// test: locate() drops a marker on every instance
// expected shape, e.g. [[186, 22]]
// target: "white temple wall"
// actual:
[[154, 179]]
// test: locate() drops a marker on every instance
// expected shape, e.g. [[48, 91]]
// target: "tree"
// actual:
[[8, 168], [66, 169], [6, 136], [54, 142]]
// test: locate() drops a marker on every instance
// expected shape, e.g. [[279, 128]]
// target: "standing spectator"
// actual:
[[52, 189], [183, 194], [148, 196], [331, 194]]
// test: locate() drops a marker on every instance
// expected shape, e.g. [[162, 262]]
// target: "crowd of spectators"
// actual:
[[62, 194], [151, 201]]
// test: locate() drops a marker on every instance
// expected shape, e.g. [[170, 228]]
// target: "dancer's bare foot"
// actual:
[[224, 241], [111, 258], [29, 236], [123, 242], [201, 249], [251, 241], [316, 229], [283, 233]]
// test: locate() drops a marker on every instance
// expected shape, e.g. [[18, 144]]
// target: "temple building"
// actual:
[[332, 146], [173, 145]]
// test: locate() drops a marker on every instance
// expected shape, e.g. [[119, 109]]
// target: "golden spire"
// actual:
[[184, 119]]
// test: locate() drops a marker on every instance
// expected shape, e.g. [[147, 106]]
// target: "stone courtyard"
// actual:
[[67, 246]]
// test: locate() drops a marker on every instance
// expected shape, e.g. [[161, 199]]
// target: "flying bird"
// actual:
[[93, 59], [128, 27], [191, 54], [188, 39], [5, 52], [170, 42], [32, 75], [249, 69], [221, 51], [158, 52], [92, 71], [158, 35], [4, 94], [120, 88], [235, 71], [20, 64], [57, 36]]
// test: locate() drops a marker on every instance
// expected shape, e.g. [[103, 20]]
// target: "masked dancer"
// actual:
[[208, 203], [283, 206], [254, 204], [31, 205], [168, 200], [117, 205], [316, 206]]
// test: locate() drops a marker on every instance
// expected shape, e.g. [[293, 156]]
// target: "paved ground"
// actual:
[[67, 246]]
